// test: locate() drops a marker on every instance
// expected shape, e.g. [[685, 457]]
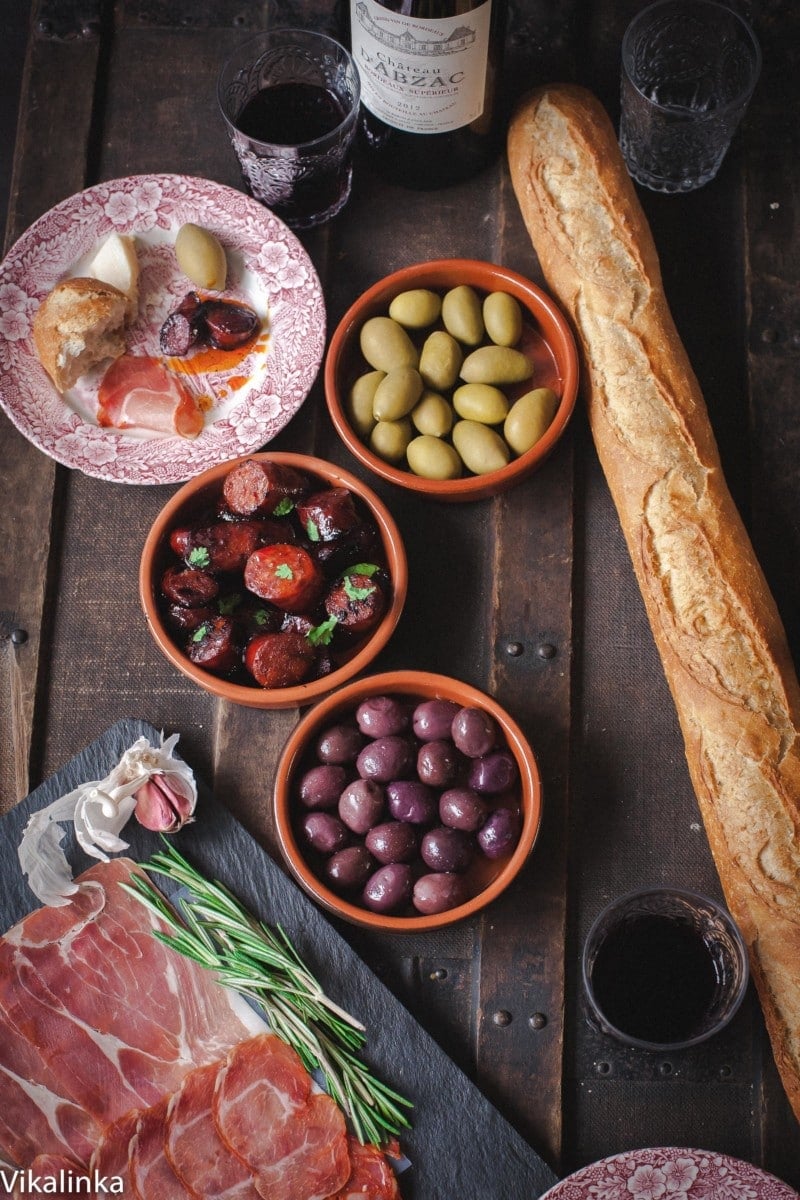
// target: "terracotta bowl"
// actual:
[[486, 878], [546, 337], [203, 492]]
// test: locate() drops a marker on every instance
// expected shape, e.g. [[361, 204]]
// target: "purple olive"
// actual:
[[500, 832], [382, 716], [349, 868], [386, 758], [388, 889], [433, 718], [411, 800], [321, 786], [361, 804], [444, 849], [439, 892], [438, 763], [340, 744], [461, 808], [392, 841], [474, 732], [324, 832], [493, 773]]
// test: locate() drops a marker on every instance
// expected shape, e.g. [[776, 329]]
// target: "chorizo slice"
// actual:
[[277, 660], [357, 601], [190, 587], [253, 487], [286, 576], [213, 646], [327, 515]]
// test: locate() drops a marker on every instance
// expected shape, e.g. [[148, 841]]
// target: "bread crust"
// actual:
[[714, 620], [78, 324]]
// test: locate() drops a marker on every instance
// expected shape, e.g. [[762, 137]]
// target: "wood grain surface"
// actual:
[[530, 596]]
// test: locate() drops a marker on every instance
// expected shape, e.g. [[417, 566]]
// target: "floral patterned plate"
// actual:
[[249, 400], [670, 1174]]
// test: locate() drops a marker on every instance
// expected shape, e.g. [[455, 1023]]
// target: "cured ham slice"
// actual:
[[35, 1119], [122, 1017], [194, 1148], [138, 392], [150, 1173], [112, 1154], [292, 1138], [371, 1177], [63, 1172]]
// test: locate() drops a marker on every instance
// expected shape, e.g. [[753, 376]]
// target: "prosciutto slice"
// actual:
[[292, 1138], [151, 1175], [194, 1148], [120, 1017], [112, 1154], [371, 1176], [138, 392]]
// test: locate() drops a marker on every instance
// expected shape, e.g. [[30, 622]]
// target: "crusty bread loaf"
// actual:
[[715, 623], [78, 324]]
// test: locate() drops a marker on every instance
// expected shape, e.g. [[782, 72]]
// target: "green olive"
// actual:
[[528, 419], [461, 314], [502, 317], [201, 257], [386, 345], [396, 394], [496, 364], [389, 439], [433, 415], [358, 404], [416, 309], [481, 449], [440, 361], [480, 402], [432, 458]]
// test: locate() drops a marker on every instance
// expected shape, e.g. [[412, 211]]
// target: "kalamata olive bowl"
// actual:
[[202, 494], [482, 882], [546, 339]]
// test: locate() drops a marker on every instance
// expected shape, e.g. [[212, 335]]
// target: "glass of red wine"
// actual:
[[664, 969], [290, 100]]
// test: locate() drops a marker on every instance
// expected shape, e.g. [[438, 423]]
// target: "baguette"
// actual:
[[715, 623], [79, 323]]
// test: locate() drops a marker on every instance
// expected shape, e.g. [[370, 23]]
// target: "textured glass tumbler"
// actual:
[[689, 68], [290, 100], [663, 969]]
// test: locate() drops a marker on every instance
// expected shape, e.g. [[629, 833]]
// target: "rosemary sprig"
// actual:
[[260, 962]]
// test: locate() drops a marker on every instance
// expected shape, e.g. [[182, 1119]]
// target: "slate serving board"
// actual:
[[459, 1145]]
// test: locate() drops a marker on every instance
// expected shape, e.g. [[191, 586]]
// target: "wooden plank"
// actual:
[[50, 163], [772, 299]]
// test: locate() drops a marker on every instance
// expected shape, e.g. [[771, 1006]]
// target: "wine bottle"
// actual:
[[429, 73]]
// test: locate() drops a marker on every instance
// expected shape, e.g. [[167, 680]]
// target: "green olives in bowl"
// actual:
[[454, 379]]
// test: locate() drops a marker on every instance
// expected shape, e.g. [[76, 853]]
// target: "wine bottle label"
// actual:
[[421, 76]]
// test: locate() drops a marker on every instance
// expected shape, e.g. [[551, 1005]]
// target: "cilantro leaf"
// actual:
[[357, 593], [201, 632], [368, 569], [312, 530], [261, 616], [229, 604], [321, 635], [283, 507], [199, 557], [284, 571]]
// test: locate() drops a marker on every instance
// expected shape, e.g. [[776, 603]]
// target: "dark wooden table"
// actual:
[[529, 596]]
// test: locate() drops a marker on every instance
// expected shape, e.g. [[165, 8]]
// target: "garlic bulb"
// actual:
[[148, 782]]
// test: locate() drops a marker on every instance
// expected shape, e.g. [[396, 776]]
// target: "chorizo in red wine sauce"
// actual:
[[278, 582]]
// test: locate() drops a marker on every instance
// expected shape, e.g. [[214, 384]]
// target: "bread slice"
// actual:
[[78, 324], [116, 262]]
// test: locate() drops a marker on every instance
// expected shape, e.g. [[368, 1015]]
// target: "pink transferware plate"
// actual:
[[670, 1173], [249, 400]]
